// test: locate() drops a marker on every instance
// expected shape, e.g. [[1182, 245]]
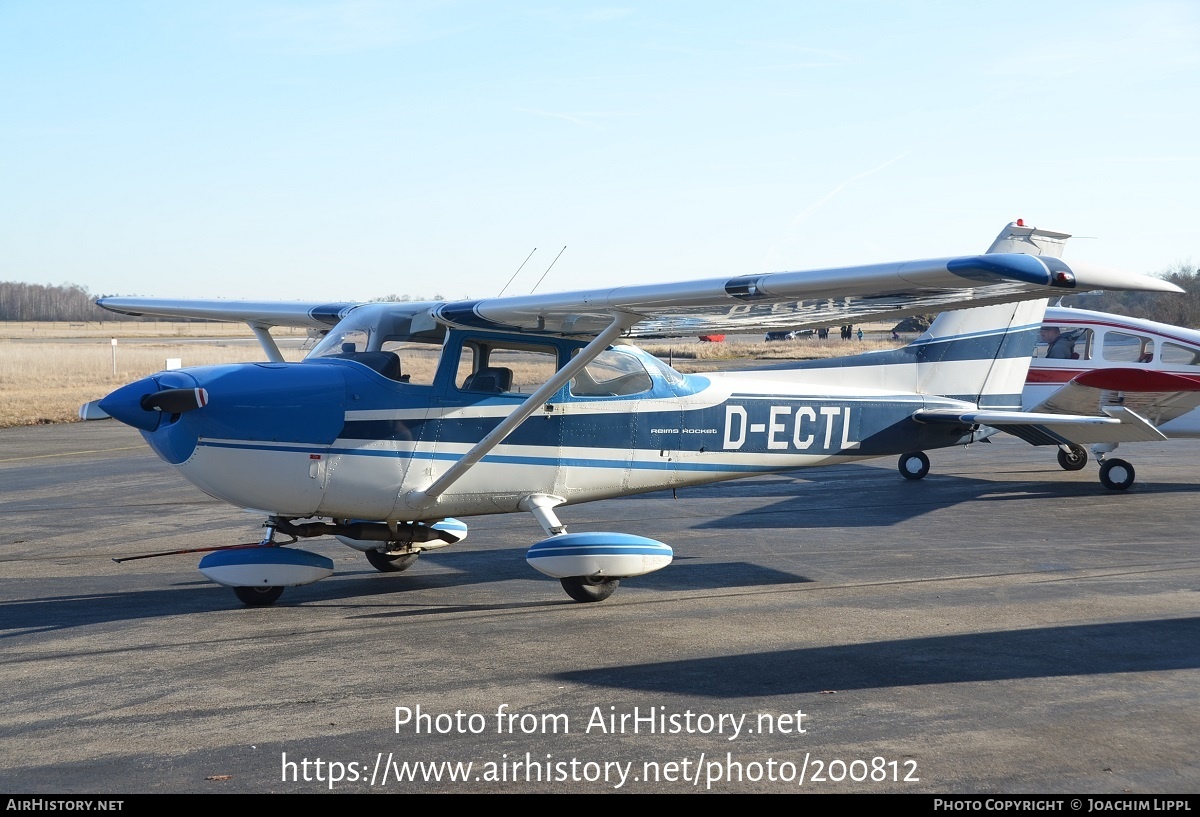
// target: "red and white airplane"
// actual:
[[1088, 360]]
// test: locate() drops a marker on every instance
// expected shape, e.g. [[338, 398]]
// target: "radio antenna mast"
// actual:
[[515, 274], [547, 272]]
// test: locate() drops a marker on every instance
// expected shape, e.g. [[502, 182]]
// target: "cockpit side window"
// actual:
[[420, 360], [1120, 347], [495, 366], [1064, 343]]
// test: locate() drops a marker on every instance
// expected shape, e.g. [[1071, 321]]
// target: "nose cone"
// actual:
[[142, 403]]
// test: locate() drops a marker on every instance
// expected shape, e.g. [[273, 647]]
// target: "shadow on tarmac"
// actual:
[[1046, 652], [361, 588]]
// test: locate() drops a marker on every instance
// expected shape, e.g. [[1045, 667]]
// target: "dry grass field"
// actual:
[[62, 330], [47, 370], [683, 352]]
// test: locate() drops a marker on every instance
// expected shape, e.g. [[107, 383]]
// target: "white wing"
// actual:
[[742, 303], [256, 313], [794, 299]]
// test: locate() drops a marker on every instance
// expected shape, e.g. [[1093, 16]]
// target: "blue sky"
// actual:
[[348, 150]]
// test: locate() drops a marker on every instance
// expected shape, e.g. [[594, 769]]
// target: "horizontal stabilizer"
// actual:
[[1116, 425]]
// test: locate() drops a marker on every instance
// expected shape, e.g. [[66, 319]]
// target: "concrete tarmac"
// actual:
[[1000, 627]]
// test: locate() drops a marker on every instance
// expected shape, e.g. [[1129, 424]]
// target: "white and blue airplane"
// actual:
[[407, 416]]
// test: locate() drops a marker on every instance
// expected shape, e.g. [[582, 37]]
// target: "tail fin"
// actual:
[[1018, 238], [1005, 333], [979, 355]]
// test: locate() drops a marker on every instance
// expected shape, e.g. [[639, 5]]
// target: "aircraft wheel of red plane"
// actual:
[[258, 596], [1072, 459], [1116, 475], [390, 562], [914, 465], [585, 588]]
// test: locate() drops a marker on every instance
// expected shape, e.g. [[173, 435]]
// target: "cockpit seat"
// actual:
[[386, 363], [495, 379]]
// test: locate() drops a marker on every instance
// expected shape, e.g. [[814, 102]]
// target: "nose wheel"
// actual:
[[1072, 458]]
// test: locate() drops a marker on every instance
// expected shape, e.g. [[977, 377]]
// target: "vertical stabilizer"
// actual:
[[1006, 333], [980, 355], [1018, 238]]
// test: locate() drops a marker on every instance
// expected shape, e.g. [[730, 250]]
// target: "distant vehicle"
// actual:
[[792, 335], [712, 338]]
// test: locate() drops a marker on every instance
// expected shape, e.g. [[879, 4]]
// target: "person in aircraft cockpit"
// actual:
[[1058, 345]]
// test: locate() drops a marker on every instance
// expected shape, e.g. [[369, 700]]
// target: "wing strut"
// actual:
[[267, 342], [586, 355]]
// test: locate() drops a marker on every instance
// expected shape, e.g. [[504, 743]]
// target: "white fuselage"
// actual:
[[1104, 341]]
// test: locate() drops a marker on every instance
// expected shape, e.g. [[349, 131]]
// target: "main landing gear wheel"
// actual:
[[390, 562], [258, 596], [583, 588], [1073, 459], [1116, 474], [914, 465]]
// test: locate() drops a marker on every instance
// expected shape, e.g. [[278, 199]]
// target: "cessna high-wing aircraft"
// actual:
[[408, 415], [1086, 361]]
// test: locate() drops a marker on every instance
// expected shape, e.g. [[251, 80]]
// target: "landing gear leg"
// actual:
[[580, 588], [261, 596], [914, 465]]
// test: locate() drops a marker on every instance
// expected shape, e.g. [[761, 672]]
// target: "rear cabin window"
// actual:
[[1175, 355]]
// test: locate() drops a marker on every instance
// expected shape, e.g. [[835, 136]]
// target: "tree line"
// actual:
[[37, 302], [1178, 310]]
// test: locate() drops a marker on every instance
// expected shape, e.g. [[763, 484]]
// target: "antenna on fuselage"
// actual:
[[547, 272], [518, 272]]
